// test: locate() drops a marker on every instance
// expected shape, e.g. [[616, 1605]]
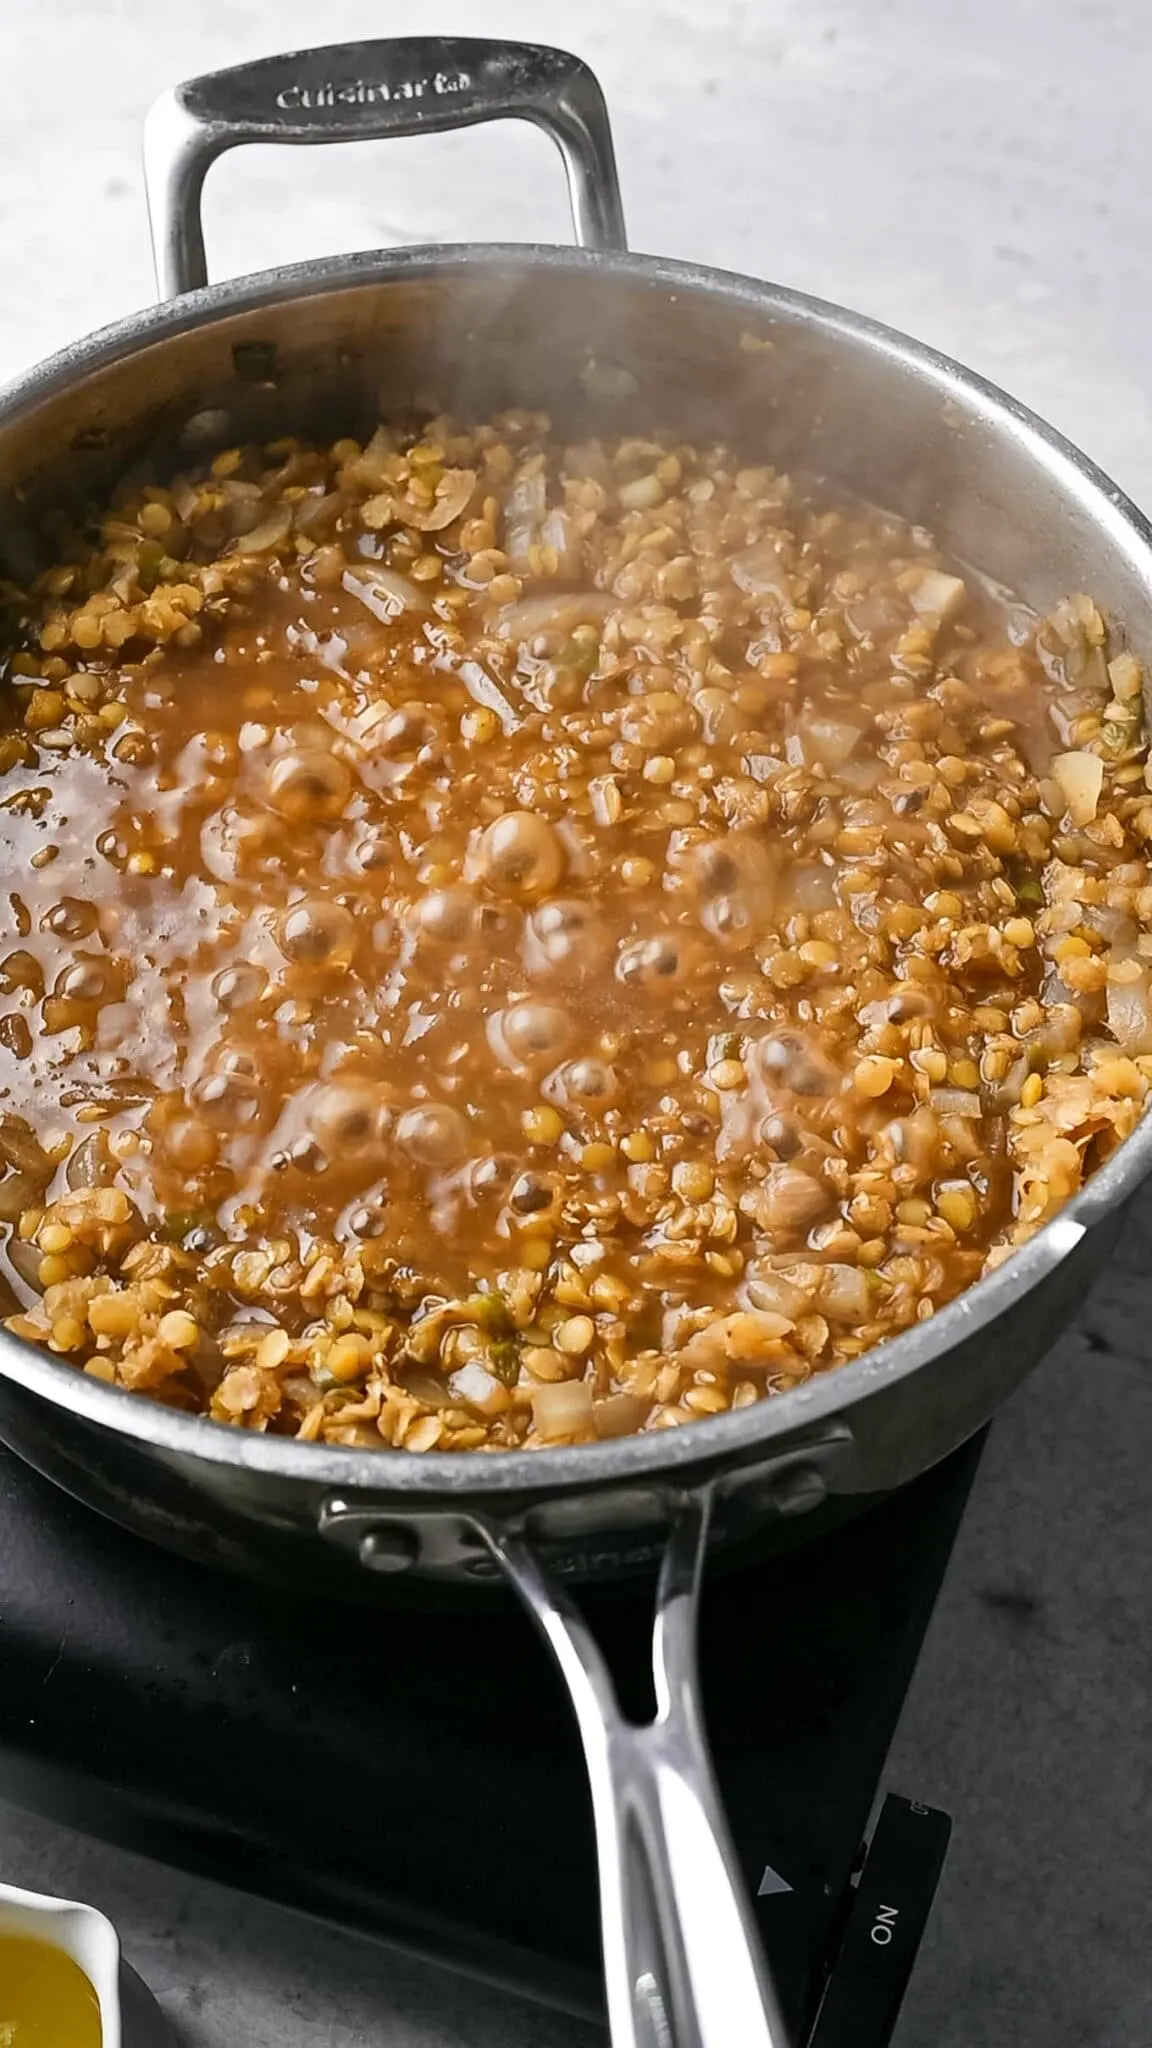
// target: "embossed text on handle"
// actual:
[[365, 92]]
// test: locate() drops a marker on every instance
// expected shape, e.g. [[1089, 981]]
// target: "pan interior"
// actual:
[[609, 345]]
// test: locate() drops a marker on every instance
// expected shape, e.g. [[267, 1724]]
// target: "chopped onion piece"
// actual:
[[318, 512], [241, 505], [1130, 1015], [955, 1102], [1068, 1012], [562, 1408], [1080, 778], [483, 690], [478, 1388], [938, 596], [429, 1388], [384, 592], [619, 1414], [374, 465], [870, 615], [827, 741], [863, 775], [453, 491], [268, 535], [1006, 1094], [559, 531], [1125, 676], [1114, 925], [641, 494], [914, 1137], [524, 514], [1087, 669], [845, 1295], [768, 1290], [389, 508], [553, 613], [760, 571]]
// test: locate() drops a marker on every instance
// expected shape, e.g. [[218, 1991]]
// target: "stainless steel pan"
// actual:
[[604, 339]]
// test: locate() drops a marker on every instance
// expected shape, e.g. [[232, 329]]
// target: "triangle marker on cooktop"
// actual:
[[771, 1882]]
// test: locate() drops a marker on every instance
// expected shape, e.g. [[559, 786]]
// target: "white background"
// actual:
[[975, 171]]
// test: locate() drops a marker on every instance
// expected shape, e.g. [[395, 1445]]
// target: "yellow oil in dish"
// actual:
[[46, 2000]]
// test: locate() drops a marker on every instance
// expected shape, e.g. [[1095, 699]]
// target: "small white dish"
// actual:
[[80, 1932]]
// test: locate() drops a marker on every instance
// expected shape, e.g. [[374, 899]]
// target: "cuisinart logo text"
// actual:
[[367, 92]]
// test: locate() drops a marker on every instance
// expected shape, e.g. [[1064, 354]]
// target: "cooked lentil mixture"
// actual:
[[511, 943]]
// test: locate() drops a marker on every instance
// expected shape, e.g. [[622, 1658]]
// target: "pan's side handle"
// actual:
[[355, 92], [683, 1964]]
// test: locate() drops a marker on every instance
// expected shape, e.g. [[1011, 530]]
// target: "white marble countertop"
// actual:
[[977, 174]]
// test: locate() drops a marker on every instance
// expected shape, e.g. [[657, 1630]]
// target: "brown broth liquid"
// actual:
[[266, 961], [466, 935]]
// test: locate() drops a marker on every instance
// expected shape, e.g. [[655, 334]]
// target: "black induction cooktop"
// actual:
[[418, 1777]]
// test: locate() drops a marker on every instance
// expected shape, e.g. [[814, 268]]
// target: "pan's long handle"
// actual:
[[354, 92], [682, 1958]]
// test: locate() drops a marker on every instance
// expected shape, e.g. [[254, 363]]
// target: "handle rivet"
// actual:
[[388, 1550], [799, 1491]]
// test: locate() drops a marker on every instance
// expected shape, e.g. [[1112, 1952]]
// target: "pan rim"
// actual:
[[439, 1477]]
